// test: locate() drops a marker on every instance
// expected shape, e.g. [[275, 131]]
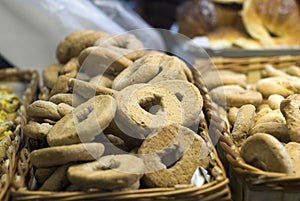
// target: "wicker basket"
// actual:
[[217, 189], [247, 182], [28, 80]]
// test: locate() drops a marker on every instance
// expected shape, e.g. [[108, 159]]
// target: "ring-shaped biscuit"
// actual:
[[84, 123], [143, 108], [172, 155], [100, 60], [190, 98], [126, 45], [151, 69], [75, 42], [108, 172]]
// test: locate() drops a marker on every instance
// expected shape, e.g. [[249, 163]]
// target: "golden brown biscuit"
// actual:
[[60, 155], [108, 172], [265, 152], [172, 155]]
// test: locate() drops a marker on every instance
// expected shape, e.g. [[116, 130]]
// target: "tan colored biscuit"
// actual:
[[88, 90], [60, 155], [189, 97], [43, 110], [84, 123], [264, 105], [290, 110], [61, 86], [235, 96], [151, 69], [126, 45], [36, 130], [243, 123], [74, 43], [62, 98], [100, 60], [265, 152], [64, 109], [70, 69], [272, 116], [278, 130], [293, 149], [270, 71], [42, 174], [274, 101], [50, 75], [108, 172], [172, 155], [232, 113], [262, 112], [57, 180], [283, 86], [102, 80], [293, 70], [215, 78], [63, 50], [143, 108]]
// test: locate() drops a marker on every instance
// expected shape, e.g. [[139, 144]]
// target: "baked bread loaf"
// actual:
[[273, 23], [196, 18]]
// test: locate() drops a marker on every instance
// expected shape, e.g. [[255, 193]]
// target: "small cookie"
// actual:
[[235, 96], [62, 98], [42, 174], [274, 101], [40, 109], [84, 123], [290, 110], [60, 155], [57, 180], [265, 152], [36, 130], [278, 130], [243, 123], [108, 172]]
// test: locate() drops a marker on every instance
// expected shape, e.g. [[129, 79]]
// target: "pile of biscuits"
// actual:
[[263, 116], [9, 104], [111, 114]]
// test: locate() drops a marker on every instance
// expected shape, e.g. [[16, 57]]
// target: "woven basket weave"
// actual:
[[29, 80], [249, 183], [217, 189]]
